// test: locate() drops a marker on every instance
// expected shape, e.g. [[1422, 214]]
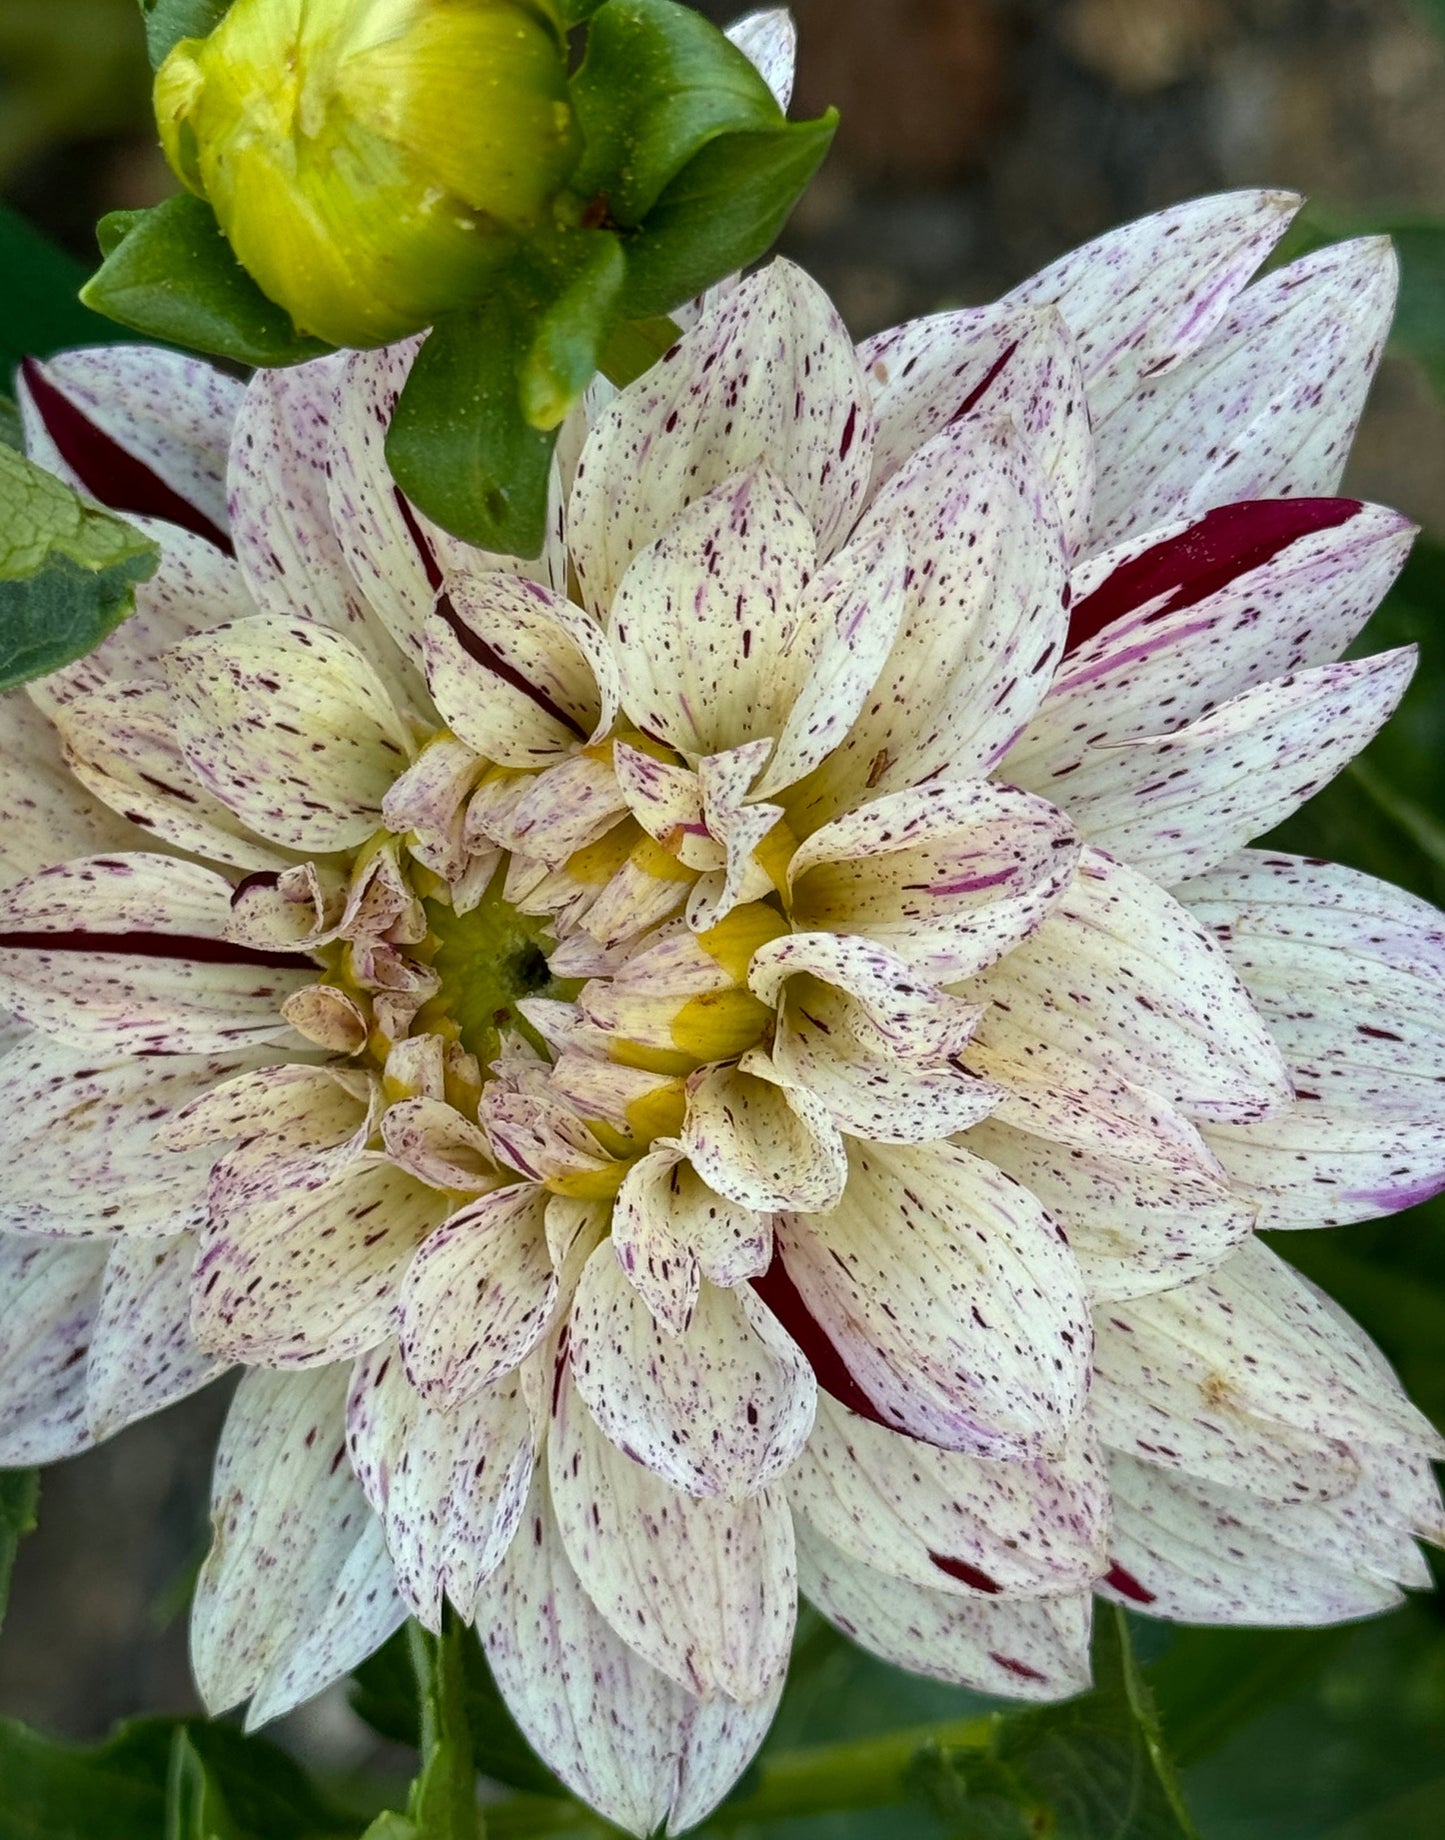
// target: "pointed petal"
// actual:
[[128, 953], [1017, 1648], [1349, 973], [949, 1296], [313, 1275], [296, 1589], [1141, 298], [769, 40], [949, 876], [1122, 981], [479, 1296], [291, 727], [951, 1522], [983, 630], [143, 1356], [896, 1013], [621, 1735], [1275, 393], [704, 1590], [135, 428], [51, 1291], [1176, 805], [769, 372], [449, 1487], [721, 1409], [669, 1227]]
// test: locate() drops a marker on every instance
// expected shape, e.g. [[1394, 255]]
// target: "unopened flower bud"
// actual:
[[367, 158]]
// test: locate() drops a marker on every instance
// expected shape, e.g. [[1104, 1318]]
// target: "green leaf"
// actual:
[[114, 1791], [19, 1498], [1212, 1682], [40, 308], [657, 84], [569, 336], [169, 273], [721, 213], [68, 571], [459, 445], [12, 431], [169, 20], [1094, 1768], [635, 347], [223, 1785]]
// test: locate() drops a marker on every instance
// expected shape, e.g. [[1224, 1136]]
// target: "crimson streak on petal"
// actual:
[[157, 945]]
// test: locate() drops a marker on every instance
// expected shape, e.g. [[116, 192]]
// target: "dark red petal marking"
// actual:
[[1223, 545], [157, 945], [1127, 1585], [965, 1573], [781, 1295], [110, 475], [491, 660], [980, 390], [1021, 1668], [418, 536]]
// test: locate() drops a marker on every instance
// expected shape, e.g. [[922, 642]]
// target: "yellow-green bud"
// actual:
[[366, 157]]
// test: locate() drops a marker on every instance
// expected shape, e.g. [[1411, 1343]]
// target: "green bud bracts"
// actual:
[[370, 160]]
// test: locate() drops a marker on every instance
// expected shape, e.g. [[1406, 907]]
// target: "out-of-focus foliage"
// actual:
[[68, 68]]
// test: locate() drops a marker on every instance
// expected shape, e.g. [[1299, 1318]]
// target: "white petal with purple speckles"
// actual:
[[128, 953], [952, 1522], [297, 1588], [1016, 1648], [705, 1590], [761, 1144], [290, 726], [51, 1291], [1122, 980], [982, 631], [314, 1275], [143, 1356], [720, 1408], [769, 40], [1349, 973], [950, 1296], [949, 876], [449, 1487], [45, 816], [768, 374], [1265, 408], [618, 1733], [478, 1297], [1140, 298], [1175, 805]]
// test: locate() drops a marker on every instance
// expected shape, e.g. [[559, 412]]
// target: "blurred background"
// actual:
[[980, 139]]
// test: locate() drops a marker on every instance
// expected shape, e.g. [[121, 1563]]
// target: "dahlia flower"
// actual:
[[748, 1053]]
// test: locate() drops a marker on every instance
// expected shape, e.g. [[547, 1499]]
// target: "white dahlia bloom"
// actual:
[[750, 1052]]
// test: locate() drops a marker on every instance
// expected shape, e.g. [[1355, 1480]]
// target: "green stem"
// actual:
[[824, 1779]]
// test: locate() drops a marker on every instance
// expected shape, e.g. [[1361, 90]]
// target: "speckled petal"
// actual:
[[449, 1487], [1265, 408], [760, 1144], [291, 727], [623, 1736], [1121, 982], [479, 1296], [983, 630], [948, 1297], [768, 373], [45, 816], [704, 1590], [1175, 805], [895, 1012], [297, 1588], [951, 1522], [51, 1291], [127, 954], [769, 40], [949, 877], [115, 1176], [665, 1209], [1015, 1648], [142, 1354], [130, 425], [721, 1408], [312, 1276], [1349, 973], [1141, 298], [120, 742]]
